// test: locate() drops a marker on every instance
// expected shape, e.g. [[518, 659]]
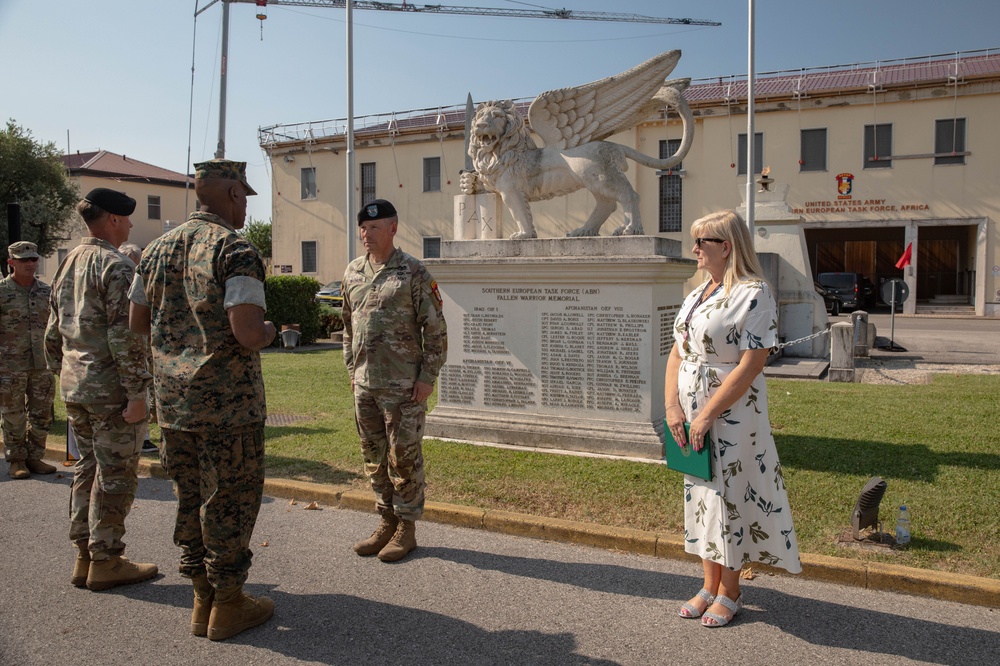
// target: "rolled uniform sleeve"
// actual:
[[244, 290], [137, 292]]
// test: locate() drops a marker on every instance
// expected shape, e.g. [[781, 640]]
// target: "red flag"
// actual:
[[907, 257]]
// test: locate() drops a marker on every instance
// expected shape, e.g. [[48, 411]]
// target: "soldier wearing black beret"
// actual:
[[103, 381], [395, 342]]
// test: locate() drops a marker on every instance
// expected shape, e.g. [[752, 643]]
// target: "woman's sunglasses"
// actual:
[[699, 241]]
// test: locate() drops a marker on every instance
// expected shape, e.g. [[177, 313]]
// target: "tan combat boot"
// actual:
[[40, 467], [81, 568], [402, 542], [234, 611], [380, 537], [105, 574], [18, 470], [204, 595]]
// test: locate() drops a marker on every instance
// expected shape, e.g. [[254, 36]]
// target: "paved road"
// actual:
[[465, 597], [940, 340]]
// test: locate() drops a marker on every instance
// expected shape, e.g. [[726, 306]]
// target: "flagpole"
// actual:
[[750, 112]]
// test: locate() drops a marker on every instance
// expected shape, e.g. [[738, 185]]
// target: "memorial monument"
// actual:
[[561, 343]]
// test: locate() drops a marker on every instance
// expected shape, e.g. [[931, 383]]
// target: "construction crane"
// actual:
[[565, 14], [349, 5]]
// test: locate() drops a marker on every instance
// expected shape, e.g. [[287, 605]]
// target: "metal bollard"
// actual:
[[862, 343], [841, 353]]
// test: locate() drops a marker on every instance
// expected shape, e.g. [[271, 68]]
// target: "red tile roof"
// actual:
[[121, 167]]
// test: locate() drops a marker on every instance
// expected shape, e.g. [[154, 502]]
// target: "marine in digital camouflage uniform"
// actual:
[[395, 342], [199, 293], [26, 385], [103, 380]]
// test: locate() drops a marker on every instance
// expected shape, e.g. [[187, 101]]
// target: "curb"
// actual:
[[960, 588]]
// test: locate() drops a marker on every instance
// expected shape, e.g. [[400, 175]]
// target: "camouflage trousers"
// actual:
[[219, 481], [104, 478], [391, 426], [26, 413]]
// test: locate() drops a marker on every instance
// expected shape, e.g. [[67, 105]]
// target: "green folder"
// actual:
[[686, 459]]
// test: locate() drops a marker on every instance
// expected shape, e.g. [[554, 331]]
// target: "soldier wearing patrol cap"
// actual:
[[395, 342], [26, 385], [199, 292], [103, 380]]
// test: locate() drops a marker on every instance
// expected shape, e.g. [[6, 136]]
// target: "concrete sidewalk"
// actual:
[[856, 573]]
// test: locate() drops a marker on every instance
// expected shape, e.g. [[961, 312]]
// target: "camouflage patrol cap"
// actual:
[[22, 250], [378, 209], [225, 169]]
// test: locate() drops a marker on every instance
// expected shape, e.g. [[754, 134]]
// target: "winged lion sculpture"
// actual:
[[573, 123]]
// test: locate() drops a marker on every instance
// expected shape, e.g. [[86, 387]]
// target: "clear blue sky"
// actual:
[[116, 74]]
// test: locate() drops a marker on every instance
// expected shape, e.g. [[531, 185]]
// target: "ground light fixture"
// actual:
[[865, 512]]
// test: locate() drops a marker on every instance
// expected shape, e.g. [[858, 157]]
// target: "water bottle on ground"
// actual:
[[903, 527]]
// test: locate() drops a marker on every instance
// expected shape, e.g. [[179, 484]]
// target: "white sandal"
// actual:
[[689, 611], [718, 620]]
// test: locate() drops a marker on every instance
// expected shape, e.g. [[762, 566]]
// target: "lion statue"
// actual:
[[573, 122]]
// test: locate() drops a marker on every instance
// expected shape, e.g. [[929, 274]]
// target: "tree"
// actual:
[[258, 232], [33, 174]]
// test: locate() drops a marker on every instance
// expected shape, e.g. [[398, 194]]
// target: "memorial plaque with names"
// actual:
[[580, 350]]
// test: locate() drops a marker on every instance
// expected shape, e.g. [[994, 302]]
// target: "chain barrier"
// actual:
[[808, 337]]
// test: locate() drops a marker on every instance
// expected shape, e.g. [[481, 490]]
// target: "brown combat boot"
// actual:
[[234, 611], [40, 467], [81, 568], [204, 595], [18, 470], [380, 537], [105, 574], [402, 542]]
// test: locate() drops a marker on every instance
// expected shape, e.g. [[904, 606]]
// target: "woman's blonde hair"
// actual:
[[742, 263]]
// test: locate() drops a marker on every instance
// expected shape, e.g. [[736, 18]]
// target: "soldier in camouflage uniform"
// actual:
[[26, 385], [199, 292], [395, 342], [103, 380]]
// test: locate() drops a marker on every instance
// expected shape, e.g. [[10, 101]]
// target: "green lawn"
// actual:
[[937, 446]]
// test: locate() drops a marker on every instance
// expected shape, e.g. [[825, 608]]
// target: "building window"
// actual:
[[670, 190], [813, 150], [308, 183], [758, 154], [367, 182], [153, 207], [61, 254], [432, 174], [878, 146], [949, 137], [432, 247], [308, 256]]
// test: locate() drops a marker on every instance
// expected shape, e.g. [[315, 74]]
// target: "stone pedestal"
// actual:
[[558, 343], [478, 216], [841, 353]]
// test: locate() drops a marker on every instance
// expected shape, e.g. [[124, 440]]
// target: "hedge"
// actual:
[[291, 299]]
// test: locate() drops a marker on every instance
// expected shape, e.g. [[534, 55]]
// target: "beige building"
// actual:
[[162, 197], [874, 156]]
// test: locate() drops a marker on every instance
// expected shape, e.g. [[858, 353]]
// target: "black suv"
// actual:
[[855, 290]]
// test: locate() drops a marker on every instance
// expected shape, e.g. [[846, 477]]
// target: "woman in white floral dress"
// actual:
[[723, 334]]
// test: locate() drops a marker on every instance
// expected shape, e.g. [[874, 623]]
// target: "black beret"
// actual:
[[116, 203], [378, 209]]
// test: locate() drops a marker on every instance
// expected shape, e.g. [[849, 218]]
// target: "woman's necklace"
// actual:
[[704, 297]]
